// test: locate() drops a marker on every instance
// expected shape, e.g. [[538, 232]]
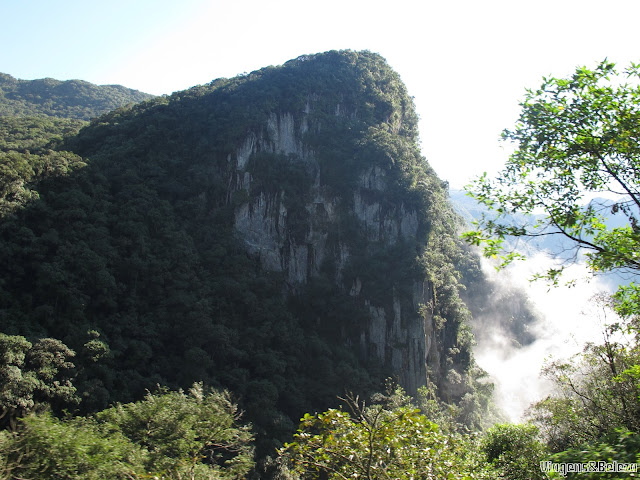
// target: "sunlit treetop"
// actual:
[[577, 141]]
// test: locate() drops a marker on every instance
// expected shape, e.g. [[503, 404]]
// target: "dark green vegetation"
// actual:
[[69, 99], [158, 249], [119, 242]]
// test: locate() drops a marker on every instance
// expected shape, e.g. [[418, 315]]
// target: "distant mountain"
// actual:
[[74, 99], [471, 210], [556, 246], [277, 234]]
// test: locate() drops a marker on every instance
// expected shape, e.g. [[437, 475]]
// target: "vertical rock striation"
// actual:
[[314, 167], [396, 334]]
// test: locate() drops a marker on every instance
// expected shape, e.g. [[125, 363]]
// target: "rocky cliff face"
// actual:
[[396, 334], [276, 232]]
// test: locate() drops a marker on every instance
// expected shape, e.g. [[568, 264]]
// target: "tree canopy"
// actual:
[[120, 240], [576, 166], [388, 439], [195, 434], [67, 99], [577, 160]]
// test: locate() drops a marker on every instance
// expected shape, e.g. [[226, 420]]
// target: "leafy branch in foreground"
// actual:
[[577, 141], [380, 441]]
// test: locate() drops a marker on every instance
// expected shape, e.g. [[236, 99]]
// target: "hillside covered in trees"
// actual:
[[265, 244], [143, 233], [68, 99]]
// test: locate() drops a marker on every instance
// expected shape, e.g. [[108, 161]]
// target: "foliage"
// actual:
[[69, 99], [593, 415], [169, 434], [621, 447], [27, 157], [20, 171], [185, 433], [34, 375], [45, 447], [464, 391], [515, 451], [576, 139], [35, 135], [597, 391], [376, 442], [474, 411], [197, 435]]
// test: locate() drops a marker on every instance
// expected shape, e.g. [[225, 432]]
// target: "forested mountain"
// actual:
[[68, 99], [277, 234], [182, 279]]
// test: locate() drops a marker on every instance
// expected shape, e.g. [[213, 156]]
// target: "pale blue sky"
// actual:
[[466, 62]]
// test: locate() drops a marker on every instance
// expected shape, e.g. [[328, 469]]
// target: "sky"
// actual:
[[465, 62]]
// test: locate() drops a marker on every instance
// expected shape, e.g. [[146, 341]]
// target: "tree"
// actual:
[[596, 392], [577, 138], [382, 441], [577, 160], [593, 413], [34, 374], [194, 434], [515, 451], [43, 446], [621, 447], [16, 394], [173, 435]]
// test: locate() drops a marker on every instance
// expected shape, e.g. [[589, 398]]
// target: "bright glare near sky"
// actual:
[[465, 62]]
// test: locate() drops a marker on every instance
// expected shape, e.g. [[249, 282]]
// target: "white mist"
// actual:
[[568, 318]]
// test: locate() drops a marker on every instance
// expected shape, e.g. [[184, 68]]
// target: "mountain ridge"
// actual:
[[277, 234], [77, 99]]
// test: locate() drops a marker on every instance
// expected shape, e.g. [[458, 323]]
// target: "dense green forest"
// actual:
[[144, 334], [69, 99]]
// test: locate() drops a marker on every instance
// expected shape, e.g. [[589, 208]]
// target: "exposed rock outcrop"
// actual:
[[312, 169], [396, 335]]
